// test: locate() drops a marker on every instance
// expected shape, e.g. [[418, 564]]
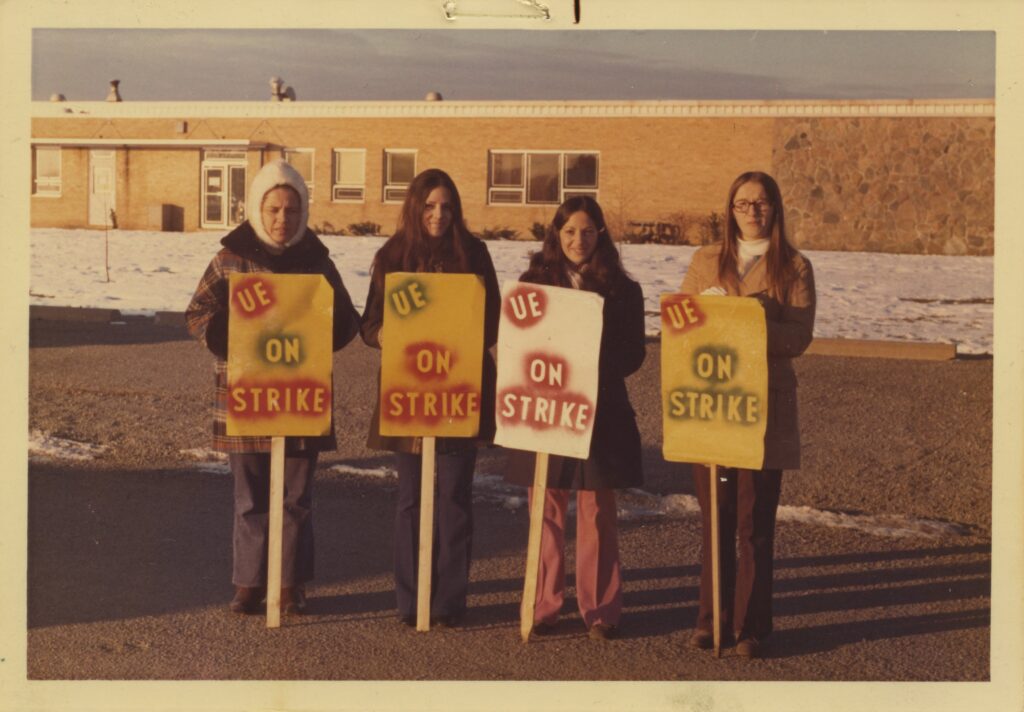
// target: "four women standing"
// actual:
[[755, 259]]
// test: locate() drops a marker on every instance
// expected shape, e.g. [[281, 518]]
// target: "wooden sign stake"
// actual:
[[426, 555], [716, 581], [275, 524], [540, 485]]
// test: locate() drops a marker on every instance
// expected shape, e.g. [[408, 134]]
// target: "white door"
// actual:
[[102, 184]]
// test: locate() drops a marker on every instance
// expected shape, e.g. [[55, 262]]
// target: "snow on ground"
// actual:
[[860, 295], [212, 461], [45, 446]]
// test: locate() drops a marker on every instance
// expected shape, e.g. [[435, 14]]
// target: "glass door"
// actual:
[[236, 189], [223, 200], [213, 196]]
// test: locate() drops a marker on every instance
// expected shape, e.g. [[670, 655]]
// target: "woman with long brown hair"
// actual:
[[578, 253], [757, 260], [432, 237]]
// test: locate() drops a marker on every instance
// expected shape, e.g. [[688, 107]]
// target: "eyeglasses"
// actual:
[[744, 206]]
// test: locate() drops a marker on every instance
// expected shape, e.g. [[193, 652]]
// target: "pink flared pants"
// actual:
[[598, 576]]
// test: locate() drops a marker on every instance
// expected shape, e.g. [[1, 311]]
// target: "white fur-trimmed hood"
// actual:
[[275, 174]]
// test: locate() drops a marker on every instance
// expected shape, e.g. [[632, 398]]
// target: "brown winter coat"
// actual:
[[615, 456], [373, 319], [790, 323]]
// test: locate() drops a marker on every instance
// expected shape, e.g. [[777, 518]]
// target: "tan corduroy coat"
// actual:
[[790, 323]]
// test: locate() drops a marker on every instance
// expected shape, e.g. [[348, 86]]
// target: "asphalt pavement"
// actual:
[[129, 554]]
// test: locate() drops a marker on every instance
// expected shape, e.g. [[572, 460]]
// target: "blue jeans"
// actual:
[[453, 533], [251, 471]]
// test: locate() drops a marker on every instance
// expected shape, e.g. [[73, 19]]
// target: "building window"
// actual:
[[301, 159], [540, 177], [349, 175], [399, 170], [46, 171]]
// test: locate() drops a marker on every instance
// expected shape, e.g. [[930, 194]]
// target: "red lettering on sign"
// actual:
[[252, 297], [548, 372], [524, 306], [430, 407], [543, 410], [429, 361], [681, 313], [266, 400]]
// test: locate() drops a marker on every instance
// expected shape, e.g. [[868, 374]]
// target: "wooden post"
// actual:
[[276, 522], [426, 555], [716, 555], [540, 485]]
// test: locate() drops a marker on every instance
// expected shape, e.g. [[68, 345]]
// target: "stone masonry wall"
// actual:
[[909, 185]]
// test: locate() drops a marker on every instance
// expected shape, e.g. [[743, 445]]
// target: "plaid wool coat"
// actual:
[[207, 320]]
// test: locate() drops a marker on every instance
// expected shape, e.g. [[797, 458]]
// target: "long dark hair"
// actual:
[[781, 254], [409, 250], [603, 269]]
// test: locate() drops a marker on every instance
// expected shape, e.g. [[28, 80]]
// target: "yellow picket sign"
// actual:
[[714, 380], [432, 355], [279, 354]]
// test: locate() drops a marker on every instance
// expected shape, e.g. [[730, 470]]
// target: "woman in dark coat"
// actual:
[[275, 239], [754, 260], [578, 253], [432, 237]]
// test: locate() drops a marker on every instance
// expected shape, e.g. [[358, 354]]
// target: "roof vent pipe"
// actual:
[[276, 89]]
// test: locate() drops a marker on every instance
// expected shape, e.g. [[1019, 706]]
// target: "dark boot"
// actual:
[[247, 599], [293, 600]]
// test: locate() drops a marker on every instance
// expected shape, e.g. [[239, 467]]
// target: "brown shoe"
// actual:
[[603, 631], [543, 628], [293, 600], [247, 599], [751, 648], [702, 640]]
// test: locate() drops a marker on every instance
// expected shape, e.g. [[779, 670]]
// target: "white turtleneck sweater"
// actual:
[[749, 252]]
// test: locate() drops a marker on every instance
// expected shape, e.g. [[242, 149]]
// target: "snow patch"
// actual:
[[378, 472], [204, 453], [213, 461], [46, 446]]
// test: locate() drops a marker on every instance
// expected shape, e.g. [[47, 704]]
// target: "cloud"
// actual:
[[488, 64]]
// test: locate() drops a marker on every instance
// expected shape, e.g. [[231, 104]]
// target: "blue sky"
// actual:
[[503, 64]]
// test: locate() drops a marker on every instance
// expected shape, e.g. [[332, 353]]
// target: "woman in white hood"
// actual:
[[275, 239]]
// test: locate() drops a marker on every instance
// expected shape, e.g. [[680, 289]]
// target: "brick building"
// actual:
[[899, 176]]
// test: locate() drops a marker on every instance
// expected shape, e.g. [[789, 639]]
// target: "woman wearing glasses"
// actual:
[[754, 260]]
